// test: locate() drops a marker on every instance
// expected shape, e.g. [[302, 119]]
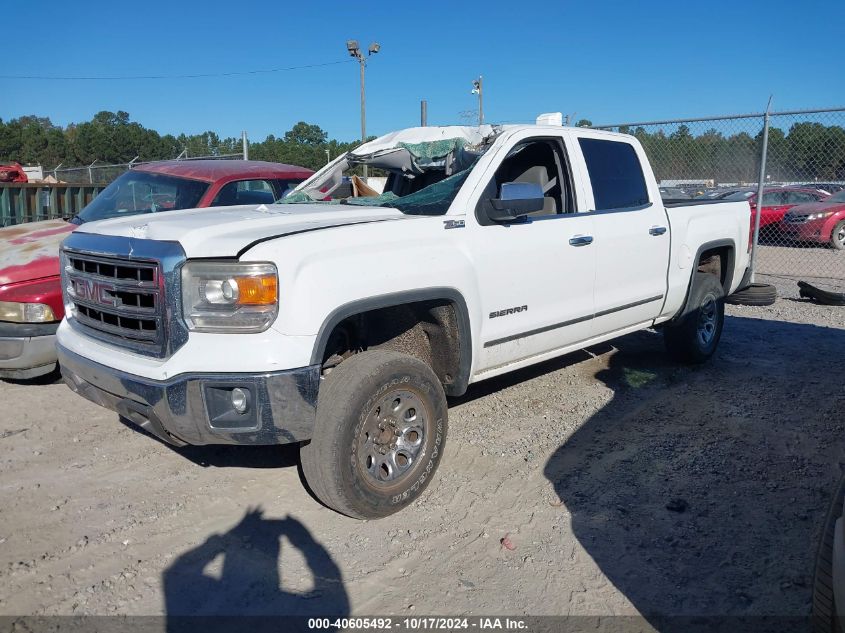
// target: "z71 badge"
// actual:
[[508, 311]]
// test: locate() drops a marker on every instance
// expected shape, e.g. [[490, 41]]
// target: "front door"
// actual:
[[535, 274]]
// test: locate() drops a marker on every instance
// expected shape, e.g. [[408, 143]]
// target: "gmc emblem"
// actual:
[[95, 291]]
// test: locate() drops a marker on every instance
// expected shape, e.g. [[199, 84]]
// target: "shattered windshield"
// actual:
[[432, 200], [425, 168]]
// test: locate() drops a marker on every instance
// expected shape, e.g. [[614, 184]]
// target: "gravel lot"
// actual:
[[624, 484], [813, 263]]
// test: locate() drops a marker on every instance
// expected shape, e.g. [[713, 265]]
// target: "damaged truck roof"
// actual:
[[411, 151]]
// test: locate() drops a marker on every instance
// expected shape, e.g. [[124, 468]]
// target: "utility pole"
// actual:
[[245, 142], [355, 51], [478, 89], [423, 113]]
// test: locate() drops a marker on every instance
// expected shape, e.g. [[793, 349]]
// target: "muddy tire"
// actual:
[[379, 435], [825, 616], [754, 295], [694, 337]]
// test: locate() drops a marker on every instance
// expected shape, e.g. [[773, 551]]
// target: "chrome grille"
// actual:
[[117, 300], [795, 219]]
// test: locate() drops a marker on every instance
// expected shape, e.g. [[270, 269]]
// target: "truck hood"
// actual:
[[227, 231], [31, 251]]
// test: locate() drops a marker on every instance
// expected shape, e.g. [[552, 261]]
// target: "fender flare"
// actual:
[[729, 273], [461, 380]]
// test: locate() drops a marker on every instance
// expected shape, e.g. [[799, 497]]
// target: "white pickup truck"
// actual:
[[343, 325]]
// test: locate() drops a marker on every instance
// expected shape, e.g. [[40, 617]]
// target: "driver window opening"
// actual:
[[535, 162]]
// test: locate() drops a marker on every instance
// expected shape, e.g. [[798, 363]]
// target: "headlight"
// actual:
[[820, 216], [26, 312], [229, 296]]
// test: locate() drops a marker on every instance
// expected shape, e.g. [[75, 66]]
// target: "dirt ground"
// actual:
[[624, 483]]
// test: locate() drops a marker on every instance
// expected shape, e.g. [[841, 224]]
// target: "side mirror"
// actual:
[[516, 200]]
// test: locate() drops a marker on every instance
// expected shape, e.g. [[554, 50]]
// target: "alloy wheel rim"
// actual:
[[392, 439], [707, 318]]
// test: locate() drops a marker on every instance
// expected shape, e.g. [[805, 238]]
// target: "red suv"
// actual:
[[30, 291]]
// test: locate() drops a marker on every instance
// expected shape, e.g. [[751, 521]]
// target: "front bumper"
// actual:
[[812, 231], [195, 409], [27, 350]]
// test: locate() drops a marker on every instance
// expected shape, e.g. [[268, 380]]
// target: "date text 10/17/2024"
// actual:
[[418, 623]]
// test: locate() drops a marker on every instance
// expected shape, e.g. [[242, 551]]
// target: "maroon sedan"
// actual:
[[821, 222], [30, 290], [776, 202]]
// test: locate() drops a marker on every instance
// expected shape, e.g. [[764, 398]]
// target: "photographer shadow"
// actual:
[[235, 580]]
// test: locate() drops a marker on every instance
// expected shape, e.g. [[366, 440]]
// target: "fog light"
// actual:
[[240, 400]]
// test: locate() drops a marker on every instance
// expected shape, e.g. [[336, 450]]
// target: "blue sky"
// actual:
[[607, 61]]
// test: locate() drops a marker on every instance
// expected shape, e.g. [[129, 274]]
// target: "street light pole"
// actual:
[[478, 89], [355, 51], [363, 63]]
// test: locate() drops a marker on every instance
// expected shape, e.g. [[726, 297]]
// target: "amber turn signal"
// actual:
[[257, 291]]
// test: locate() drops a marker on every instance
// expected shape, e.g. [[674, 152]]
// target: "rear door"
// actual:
[[631, 232]]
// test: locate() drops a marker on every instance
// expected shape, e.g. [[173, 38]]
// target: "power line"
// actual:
[[195, 76]]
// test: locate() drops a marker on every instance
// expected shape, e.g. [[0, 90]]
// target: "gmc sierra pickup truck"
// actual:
[[343, 325]]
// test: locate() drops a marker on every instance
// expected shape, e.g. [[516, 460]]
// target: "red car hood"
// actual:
[[817, 207], [31, 251]]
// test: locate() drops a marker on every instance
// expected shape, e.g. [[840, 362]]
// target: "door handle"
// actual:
[[657, 230], [581, 240]]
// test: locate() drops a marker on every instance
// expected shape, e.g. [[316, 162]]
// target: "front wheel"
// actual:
[[694, 337], [837, 236], [379, 435]]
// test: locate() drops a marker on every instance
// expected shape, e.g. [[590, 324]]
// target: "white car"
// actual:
[[344, 325]]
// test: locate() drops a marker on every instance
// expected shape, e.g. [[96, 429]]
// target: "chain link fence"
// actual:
[[802, 215], [97, 173]]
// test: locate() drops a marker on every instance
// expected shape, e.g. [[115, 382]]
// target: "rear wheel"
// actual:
[[837, 236], [379, 435], [694, 337]]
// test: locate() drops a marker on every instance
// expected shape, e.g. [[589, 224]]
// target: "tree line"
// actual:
[[806, 151], [112, 138]]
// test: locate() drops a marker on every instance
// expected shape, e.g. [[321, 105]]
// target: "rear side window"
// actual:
[[615, 173], [797, 197], [244, 192], [771, 198]]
